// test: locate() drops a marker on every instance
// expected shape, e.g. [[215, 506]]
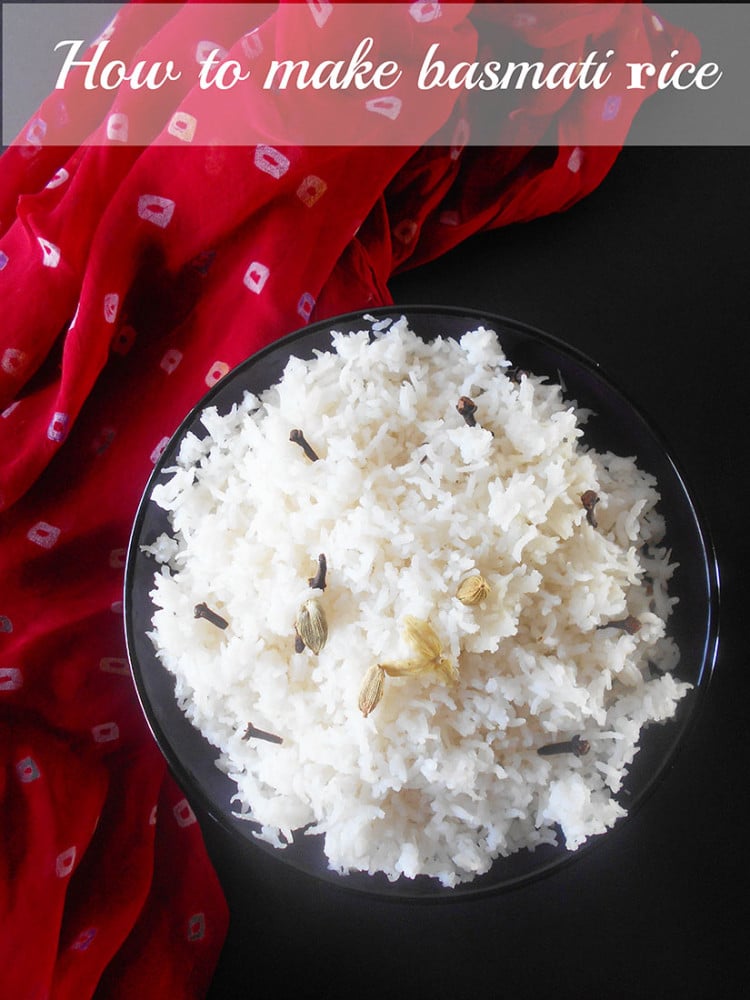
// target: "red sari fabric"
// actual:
[[131, 280]]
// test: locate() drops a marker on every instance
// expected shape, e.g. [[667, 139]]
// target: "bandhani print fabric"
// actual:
[[132, 279]]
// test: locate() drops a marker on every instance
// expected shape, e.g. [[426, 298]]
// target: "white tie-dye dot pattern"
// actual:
[[170, 360], [216, 372], [196, 928], [114, 665], [50, 252], [305, 306], [154, 208], [389, 107], [182, 126], [311, 190], [461, 136], [424, 13], [59, 178], [36, 132], [105, 732], [108, 31], [611, 108], [575, 160], [159, 450], [11, 679], [117, 558], [406, 230], [43, 534], [271, 161], [204, 49], [256, 276], [13, 361], [84, 939], [110, 307], [118, 127], [27, 770], [321, 10], [58, 427], [65, 862], [252, 44], [449, 218], [183, 814]]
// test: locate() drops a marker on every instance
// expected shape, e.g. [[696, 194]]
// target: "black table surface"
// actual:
[[649, 276]]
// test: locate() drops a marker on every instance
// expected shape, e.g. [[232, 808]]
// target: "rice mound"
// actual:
[[406, 502]]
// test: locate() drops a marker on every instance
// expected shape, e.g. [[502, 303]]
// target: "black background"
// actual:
[[649, 276]]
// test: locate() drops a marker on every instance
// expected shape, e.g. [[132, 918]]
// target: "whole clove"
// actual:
[[631, 624], [252, 732], [467, 408], [576, 745], [590, 499], [318, 582], [202, 610], [298, 437]]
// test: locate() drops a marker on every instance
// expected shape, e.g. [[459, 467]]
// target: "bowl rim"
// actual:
[[480, 886]]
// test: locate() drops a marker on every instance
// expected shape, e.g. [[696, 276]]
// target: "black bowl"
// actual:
[[616, 426]]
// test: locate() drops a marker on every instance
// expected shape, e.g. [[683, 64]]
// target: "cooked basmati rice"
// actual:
[[406, 502]]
